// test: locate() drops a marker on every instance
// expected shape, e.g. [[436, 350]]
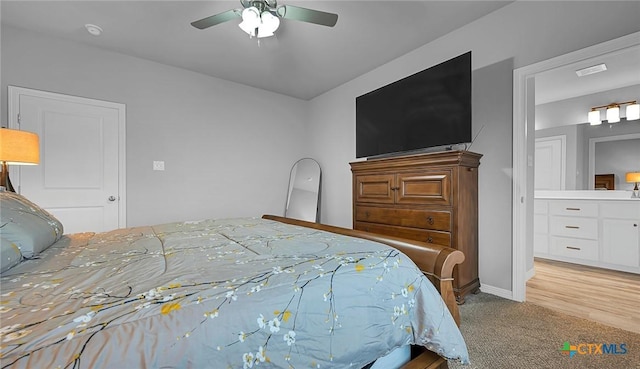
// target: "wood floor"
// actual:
[[601, 295]]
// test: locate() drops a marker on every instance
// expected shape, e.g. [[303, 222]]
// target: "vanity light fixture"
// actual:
[[633, 177], [613, 112]]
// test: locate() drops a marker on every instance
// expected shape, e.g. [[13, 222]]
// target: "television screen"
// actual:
[[427, 109]]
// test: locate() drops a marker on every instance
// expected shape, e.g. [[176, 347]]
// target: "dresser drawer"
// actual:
[[575, 248], [573, 208], [574, 227], [415, 218], [429, 236]]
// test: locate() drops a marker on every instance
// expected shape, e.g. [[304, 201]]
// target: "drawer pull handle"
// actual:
[[573, 248], [430, 240], [574, 209], [572, 227], [366, 214], [430, 220]]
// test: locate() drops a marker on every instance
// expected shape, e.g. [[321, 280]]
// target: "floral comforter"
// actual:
[[232, 293]]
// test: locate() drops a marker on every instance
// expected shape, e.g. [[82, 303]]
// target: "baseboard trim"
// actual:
[[530, 273], [500, 292]]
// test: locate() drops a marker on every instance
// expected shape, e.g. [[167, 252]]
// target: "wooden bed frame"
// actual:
[[436, 262]]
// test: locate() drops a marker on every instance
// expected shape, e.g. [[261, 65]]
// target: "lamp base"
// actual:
[[4, 178]]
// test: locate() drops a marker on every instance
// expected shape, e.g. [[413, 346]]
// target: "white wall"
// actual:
[[519, 34], [224, 155]]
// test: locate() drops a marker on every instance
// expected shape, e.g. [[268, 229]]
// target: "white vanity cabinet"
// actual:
[[620, 233], [596, 232]]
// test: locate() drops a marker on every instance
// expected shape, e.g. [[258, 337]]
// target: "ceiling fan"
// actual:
[[261, 18]]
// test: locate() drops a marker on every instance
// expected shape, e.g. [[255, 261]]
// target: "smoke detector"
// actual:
[[93, 29]]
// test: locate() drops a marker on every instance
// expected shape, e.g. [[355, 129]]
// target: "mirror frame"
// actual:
[[290, 189]]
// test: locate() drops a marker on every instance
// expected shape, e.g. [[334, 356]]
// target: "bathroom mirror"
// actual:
[[303, 196]]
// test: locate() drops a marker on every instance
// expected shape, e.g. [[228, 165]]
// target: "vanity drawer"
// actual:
[[575, 248], [428, 236], [620, 209], [416, 218], [574, 227], [574, 208]]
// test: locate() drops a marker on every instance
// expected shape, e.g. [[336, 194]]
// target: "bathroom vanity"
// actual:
[[596, 228]]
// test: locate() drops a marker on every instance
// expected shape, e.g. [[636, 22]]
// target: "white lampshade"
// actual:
[[270, 24], [250, 20], [633, 111], [594, 117], [613, 114]]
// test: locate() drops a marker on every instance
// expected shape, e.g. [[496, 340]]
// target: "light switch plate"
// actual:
[[158, 165]]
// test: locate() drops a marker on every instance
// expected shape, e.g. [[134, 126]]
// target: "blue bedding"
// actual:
[[228, 293]]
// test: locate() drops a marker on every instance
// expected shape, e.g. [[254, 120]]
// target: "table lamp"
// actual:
[[634, 177], [17, 148]]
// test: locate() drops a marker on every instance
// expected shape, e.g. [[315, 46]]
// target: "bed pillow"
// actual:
[[9, 255], [27, 225]]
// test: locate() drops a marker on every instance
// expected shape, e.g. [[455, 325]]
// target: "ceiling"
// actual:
[[303, 60], [623, 70]]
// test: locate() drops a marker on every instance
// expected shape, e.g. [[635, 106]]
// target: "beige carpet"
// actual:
[[505, 334]]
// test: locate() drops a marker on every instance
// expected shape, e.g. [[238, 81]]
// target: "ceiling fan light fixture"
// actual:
[[270, 24], [250, 20]]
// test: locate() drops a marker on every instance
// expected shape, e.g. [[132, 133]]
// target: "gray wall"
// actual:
[[517, 35], [224, 156]]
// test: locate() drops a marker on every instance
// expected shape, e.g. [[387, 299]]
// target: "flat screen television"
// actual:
[[428, 109]]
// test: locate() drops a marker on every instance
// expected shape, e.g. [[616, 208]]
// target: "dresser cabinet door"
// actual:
[[375, 188], [424, 187]]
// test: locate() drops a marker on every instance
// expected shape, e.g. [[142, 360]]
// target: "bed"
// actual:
[[266, 292]]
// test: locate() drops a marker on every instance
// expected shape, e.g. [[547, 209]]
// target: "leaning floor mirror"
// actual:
[[303, 196]]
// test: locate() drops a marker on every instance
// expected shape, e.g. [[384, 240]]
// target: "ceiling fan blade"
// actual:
[[216, 19], [308, 15]]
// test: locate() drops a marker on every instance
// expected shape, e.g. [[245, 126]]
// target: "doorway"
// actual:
[[81, 175], [523, 152]]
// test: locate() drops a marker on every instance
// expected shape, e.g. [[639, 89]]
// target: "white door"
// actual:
[[80, 178], [550, 159]]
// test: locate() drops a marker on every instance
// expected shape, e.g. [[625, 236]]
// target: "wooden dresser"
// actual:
[[427, 197]]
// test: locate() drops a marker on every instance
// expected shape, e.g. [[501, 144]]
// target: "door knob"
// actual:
[[112, 198]]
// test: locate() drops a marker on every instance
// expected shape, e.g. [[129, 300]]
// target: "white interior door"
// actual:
[[550, 163], [80, 178]]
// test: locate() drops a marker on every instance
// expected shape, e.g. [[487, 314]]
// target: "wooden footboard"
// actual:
[[436, 262]]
